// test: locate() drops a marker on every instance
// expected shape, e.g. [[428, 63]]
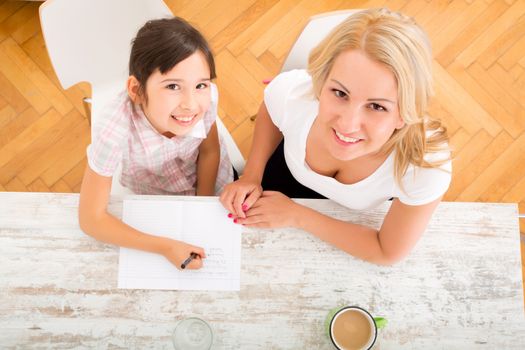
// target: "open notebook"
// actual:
[[199, 221]]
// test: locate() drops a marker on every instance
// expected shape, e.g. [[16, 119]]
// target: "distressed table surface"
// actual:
[[460, 288]]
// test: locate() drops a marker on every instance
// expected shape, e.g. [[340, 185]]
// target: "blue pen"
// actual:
[[187, 261]]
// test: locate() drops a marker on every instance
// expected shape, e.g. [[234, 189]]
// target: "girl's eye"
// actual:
[[201, 86], [173, 87], [339, 93], [377, 107]]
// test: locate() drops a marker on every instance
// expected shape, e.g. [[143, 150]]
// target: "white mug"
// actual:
[[358, 330]]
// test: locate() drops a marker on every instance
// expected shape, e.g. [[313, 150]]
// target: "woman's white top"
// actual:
[[293, 108]]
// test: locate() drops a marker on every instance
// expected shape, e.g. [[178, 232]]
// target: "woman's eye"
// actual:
[[202, 86], [173, 87], [377, 107], [339, 93]]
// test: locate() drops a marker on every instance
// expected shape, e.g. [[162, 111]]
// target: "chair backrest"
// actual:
[[90, 40], [315, 30]]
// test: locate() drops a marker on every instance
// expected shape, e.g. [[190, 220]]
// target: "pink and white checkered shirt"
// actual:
[[152, 163]]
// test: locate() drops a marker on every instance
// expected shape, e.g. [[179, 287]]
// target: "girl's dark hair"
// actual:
[[161, 44]]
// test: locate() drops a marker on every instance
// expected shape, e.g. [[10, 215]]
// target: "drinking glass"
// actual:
[[192, 334]]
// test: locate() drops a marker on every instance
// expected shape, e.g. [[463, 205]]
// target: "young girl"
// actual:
[[355, 130], [162, 130]]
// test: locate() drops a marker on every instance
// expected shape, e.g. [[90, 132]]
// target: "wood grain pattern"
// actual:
[[22, 82], [36, 76], [460, 288]]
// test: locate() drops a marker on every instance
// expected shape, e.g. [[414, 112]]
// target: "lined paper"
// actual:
[[199, 222]]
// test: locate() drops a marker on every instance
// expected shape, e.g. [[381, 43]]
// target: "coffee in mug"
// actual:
[[353, 328]]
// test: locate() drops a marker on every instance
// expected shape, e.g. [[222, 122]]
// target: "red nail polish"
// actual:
[[244, 207], [230, 215], [235, 221]]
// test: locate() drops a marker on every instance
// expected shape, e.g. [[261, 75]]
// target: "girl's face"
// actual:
[[358, 106], [180, 98]]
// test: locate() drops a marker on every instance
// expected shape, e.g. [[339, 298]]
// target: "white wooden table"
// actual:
[[461, 287]]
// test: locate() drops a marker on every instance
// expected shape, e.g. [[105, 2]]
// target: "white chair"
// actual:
[[90, 40], [314, 31]]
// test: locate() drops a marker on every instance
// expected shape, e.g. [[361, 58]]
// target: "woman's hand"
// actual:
[[176, 252], [272, 210], [239, 196]]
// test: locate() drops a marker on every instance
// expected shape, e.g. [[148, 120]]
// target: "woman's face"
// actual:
[[358, 106]]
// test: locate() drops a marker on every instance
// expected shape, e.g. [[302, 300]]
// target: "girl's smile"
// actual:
[[184, 120]]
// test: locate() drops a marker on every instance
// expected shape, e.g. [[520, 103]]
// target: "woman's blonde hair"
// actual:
[[400, 44]]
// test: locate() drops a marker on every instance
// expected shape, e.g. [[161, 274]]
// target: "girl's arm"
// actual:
[[95, 221], [246, 191], [208, 163], [401, 229]]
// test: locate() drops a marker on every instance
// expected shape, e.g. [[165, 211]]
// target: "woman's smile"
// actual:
[[345, 140]]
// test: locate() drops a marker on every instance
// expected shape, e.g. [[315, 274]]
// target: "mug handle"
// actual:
[[381, 322], [328, 319]]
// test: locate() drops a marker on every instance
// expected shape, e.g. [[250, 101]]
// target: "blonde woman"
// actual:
[[353, 129]]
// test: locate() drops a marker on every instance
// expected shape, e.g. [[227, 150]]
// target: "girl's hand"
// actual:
[[239, 196], [272, 210], [176, 252]]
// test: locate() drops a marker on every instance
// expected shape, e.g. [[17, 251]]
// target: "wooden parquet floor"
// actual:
[[479, 68]]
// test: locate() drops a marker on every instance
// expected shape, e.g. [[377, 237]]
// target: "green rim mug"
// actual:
[[377, 322]]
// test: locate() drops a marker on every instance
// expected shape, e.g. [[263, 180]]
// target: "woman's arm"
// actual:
[[95, 221], [246, 191], [208, 163], [401, 229]]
